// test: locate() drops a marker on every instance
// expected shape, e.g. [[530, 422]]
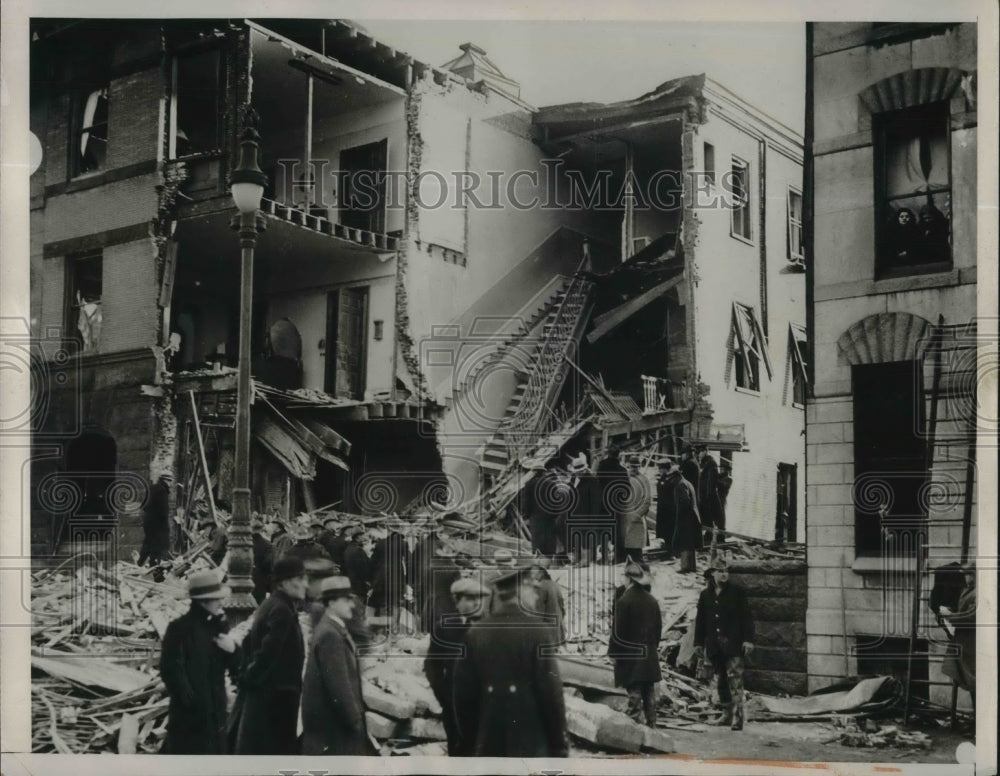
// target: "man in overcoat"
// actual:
[[632, 517], [586, 527], [613, 492], [549, 602], [666, 510], [634, 643], [508, 691], [156, 523], [197, 652], [710, 504], [687, 530], [333, 711], [449, 625], [264, 718], [724, 634]]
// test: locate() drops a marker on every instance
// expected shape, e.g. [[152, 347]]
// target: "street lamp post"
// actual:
[[247, 187]]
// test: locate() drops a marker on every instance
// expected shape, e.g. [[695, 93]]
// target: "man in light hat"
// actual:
[[447, 644], [508, 691], [197, 652], [635, 642], [264, 718], [724, 634], [333, 712]]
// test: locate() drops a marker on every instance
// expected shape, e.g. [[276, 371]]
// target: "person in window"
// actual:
[[933, 231], [903, 236]]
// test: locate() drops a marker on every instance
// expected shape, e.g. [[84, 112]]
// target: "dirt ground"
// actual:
[[760, 743]]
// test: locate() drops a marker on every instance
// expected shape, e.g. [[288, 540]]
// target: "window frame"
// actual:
[[193, 50], [797, 258], [882, 123], [744, 351], [740, 203], [71, 313], [80, 99], [798, 361], [708, 150]]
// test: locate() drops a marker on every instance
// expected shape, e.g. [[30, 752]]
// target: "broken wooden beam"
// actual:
[[602, 726]]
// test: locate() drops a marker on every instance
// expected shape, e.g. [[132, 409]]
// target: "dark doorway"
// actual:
[[363, 172], [786, 516], [346, 323], [91, 465], [890, 463]]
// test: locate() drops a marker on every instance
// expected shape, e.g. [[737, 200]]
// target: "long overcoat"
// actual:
[[333, 712], [358, 569], [710, 504], [687, 530], [388, 566], [264, 718], [447, 637], [508, 691], [633, 516], [193, 668], [635, 640], [723, 621]]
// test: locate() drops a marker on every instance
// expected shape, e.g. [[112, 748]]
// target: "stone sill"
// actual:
[[954, 277]]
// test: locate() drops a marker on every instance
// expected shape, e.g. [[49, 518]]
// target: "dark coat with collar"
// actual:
[[357, 568], [710, 504], [333, 712], [388, 566], [448, 630], [723, 622], [193, 668], [508, 691], [687, 529], [266, 712], [635, 640]]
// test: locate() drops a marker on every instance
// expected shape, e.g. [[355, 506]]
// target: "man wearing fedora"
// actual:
[[197, 652], [724, 634], [333, 712], [264, 718], [508, 691], [448, 626], [635, 642]]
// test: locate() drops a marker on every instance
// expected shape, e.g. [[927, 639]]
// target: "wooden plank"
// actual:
[[612, 319], [128, 734], [91, 672], [204, 459]]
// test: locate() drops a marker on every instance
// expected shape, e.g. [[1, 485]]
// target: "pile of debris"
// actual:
[[866, 732]]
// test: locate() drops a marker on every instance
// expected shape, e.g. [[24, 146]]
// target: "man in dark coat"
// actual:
[[635, 642], [724, 634], [549, 603], [508, 691], [689, 466], [306, 547], [448, 626], [586, 527], [263, 561], [538, 506], [613, 489], [197, 652], [388, 566], [264, 718], [356, 565], [687, 529], [156, 523], [333, 712], [334, 541], [666, 509], [709, 497]]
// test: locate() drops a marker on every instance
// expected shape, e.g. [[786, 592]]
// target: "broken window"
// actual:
[[84, 281], [749, 347], [797, 355], [197, 102], [795, 253], [363, 186], [89, 141], [740, 183], [890, 466], [913, 190], [710, 163]]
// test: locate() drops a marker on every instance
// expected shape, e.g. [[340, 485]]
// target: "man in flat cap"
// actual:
[[197, 652], [333, 712], [724, 634], [635, 642], [447, 645], [264, 718], [508, 691]]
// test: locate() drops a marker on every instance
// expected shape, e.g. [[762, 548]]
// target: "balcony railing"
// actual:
[[660, 395]]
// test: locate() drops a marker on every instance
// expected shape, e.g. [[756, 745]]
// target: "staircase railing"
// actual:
[[534, 417]]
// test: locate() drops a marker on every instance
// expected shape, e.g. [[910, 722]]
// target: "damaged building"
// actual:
[[891, 426], [414, 338]]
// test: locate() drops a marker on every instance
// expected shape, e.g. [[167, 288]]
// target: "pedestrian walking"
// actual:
[[635, 641], [197, 652], [723, 635], [156, 523], [333, 711], [633, 531], [469, 602], [266, 711], [508, 691]]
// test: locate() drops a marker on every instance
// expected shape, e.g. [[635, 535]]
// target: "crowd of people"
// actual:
[[495, 624]]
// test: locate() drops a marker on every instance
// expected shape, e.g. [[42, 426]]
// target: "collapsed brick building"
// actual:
[[407, 348]]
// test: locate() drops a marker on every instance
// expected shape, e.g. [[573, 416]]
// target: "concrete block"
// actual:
[[772, 585], [657, 740], [823, 433], [828, 494], [829, 665], [775, 682], [829, 556], [426, 729], [825, 474], [840, 452], [834, 411], [601, 725], [827, 515], [781, 634], [778, 609], [824, 598], [872, 600], [384, 703], [382, 727], [823, 621], [778, 659]]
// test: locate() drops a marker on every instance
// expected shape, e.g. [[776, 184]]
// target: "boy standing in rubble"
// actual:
[[635, 641], [723, 634]]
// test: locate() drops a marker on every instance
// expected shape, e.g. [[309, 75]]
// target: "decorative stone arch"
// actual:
[[916, 87], [883, 338]]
